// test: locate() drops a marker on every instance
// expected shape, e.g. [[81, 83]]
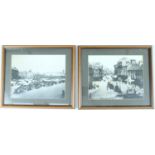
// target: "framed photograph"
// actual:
[[38, 76], [115, 77]]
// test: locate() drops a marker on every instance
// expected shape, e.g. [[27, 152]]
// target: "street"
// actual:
[[102, 92]]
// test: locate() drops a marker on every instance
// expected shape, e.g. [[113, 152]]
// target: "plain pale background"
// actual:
[[79, 22]]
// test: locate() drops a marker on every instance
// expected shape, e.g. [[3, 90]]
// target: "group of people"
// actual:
[[34, 84], [115, 87]]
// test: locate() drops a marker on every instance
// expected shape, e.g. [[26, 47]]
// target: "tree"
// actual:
[[15, 73]]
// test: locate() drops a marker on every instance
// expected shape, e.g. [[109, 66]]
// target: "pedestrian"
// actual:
[[117, 89]]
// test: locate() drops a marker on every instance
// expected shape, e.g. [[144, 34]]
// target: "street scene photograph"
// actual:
[[38, 76], [115, 77]]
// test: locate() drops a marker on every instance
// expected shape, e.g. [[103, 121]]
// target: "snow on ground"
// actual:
[[52, 92]]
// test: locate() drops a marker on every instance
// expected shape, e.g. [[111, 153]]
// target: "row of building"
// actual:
[[30, 75], [129, 68], [123, 69]]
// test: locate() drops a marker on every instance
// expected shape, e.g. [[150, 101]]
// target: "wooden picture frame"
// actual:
[[83, 89], [69, 54]]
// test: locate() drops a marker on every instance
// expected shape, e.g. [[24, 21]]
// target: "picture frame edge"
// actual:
[[2, 76], [151, 74], [114, 46], [38, 46], [38, 106], [73, 76], [79, 79]]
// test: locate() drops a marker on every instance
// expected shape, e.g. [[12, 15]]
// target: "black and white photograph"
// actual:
[[115, 77], [38, 76]]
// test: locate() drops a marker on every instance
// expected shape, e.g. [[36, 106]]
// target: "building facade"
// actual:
[[95, 73], [129, 68]]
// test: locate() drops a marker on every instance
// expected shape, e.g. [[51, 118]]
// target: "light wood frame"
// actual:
[[71, 106], [149, 47]]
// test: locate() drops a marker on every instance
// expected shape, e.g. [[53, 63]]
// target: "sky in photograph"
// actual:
[[39, 63], [109, 61]]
